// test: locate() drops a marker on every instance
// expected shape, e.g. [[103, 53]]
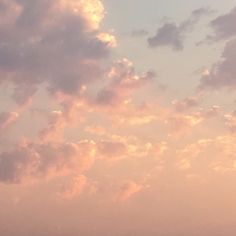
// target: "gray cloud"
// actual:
[[173, 35], [42, 43], [224, 26], [223, 73]]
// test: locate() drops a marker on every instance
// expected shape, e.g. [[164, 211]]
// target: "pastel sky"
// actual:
[[117, 118]]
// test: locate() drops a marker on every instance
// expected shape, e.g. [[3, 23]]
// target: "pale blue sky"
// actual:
[[130, 14], [125, 16]]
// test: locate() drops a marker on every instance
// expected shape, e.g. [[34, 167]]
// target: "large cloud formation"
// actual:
[[52, 42], [57, 44]]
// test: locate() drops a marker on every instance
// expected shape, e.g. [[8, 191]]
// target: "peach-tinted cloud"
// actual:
[[33, 161], [127, 190], [208, 155], [180, 122], [123, 80]]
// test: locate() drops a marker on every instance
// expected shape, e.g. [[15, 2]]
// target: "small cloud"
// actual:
[[127, 190], [173, 35]]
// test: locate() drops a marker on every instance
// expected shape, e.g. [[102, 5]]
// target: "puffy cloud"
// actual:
[[55, 42], [109, 39], [29, 161], [223, 73], [215, 154], [123, 80], [131, 115], [179, 124], [173, 35], [121, 147], [168, 35], [182, 121], [34, 161]]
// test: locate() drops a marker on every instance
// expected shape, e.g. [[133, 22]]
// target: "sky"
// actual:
[[117, 118]]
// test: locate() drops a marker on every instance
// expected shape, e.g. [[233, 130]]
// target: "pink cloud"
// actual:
[[33, 161], [127, 190]]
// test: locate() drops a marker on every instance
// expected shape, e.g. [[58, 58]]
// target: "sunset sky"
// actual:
[[117, 118]]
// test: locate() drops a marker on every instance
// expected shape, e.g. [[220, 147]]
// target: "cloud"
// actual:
[[173, 35], [168, 35], [215, 154], [33, 161], [127, 190], [63, 51], [181, 120], [123, 81], [224, 26], [223, 73]]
